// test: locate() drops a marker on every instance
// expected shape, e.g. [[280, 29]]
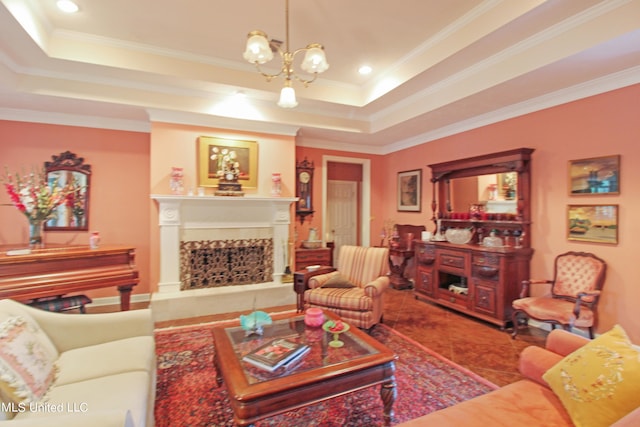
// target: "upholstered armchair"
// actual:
[[354, 291], [575, 292]]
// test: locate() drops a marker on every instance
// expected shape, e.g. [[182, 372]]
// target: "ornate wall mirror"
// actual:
[[69, 170], [498, 181]]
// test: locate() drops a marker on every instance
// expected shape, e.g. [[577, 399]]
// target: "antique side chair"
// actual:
[[575, 292]]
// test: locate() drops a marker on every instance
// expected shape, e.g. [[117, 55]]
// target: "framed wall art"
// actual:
[[410, 190], [210, 150], [597, 175], [593, 223]]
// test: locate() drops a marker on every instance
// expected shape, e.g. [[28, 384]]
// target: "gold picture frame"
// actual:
[[247, 156], [594, 176], [593, 223]]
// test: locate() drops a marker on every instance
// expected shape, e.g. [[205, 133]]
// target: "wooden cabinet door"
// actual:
[[424, 281], [485, 297]]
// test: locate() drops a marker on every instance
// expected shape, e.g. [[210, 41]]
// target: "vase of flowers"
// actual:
[[37, 199]]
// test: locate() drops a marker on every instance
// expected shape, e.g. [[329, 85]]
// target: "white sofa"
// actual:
[[105, 368]]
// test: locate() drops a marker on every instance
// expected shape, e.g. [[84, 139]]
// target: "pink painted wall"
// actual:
[[119, 200], [601, 125]]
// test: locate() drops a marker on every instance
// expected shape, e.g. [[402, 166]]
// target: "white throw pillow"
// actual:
[[27, 360]]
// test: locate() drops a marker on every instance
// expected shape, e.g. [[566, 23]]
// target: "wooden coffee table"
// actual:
[[323, 373]]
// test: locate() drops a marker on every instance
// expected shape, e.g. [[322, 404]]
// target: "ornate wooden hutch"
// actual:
[[475, 278]]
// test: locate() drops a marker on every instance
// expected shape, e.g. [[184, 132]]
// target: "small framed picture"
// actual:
[[598, 175], [593, 223], [410, 190]]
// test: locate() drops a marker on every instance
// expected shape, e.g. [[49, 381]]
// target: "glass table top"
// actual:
[[321, 354]]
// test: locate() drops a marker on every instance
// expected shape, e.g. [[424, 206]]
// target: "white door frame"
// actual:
[[365, 208]]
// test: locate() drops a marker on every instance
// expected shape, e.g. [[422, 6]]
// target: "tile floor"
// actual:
[[478, 346]]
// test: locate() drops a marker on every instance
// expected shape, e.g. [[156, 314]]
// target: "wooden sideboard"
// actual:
[[59, 270], [480, 278], [307, 257], [492, 278]]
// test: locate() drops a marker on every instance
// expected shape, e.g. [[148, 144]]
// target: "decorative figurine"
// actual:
[[253, 323]]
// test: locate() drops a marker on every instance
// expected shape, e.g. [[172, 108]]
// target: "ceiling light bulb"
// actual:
[[287, 97], [258, 49], [315, 60], [67, 6], [364, 70]]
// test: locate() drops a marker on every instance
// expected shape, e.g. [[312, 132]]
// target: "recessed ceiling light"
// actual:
[[67, 6], [365, 69]]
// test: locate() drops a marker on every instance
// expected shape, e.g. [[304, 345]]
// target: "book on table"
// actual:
[[275, 354]]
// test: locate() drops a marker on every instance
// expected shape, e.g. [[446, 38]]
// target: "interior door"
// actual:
[[342, 213]]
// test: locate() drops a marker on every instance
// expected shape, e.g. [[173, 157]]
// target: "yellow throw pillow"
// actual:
[[600, 382], [27, 360]]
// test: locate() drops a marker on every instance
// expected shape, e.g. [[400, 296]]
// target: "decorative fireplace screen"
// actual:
[[215, 263]]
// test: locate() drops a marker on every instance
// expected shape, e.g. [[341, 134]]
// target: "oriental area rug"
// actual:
[[187, 393]]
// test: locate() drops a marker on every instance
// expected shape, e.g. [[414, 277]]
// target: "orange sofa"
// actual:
[[528, 402]]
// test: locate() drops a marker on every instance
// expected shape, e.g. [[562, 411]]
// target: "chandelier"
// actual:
[[260, 51]]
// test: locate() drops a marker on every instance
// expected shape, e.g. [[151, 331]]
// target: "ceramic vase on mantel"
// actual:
[[35, 232]]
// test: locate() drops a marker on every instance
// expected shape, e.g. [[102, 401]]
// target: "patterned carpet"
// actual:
[[187, 394]]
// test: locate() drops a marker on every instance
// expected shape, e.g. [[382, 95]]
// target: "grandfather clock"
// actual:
[[304, 188]]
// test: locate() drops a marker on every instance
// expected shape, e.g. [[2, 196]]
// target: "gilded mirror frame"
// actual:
[[68, 169]]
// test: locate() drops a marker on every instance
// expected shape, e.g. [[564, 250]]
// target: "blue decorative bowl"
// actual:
[[253, 322]]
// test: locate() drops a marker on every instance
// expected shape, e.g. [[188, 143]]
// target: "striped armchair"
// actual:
[[354, 292]]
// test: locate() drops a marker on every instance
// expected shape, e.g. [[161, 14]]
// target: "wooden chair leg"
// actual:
[[516, 322]]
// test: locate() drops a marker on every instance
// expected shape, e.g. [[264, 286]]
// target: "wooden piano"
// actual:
[[59, 270]]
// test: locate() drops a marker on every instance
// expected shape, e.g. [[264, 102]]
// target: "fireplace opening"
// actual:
[[216, 263]]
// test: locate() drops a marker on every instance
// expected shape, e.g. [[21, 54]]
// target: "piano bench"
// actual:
[[62, 303]]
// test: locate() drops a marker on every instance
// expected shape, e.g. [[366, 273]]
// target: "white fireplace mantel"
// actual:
[[180, 215], [177, 213]]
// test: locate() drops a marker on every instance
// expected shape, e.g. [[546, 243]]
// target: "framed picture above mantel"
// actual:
[[211, 150]]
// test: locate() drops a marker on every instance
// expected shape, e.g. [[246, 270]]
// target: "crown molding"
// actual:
[[64, 119], [599, 86]]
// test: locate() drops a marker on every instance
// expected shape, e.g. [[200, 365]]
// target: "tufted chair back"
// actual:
[[575, 292], [577, 272]]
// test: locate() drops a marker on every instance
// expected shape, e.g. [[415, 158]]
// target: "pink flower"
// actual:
[[35, 197]]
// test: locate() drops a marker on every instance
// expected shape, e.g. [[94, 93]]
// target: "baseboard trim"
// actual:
[[105, 301]]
